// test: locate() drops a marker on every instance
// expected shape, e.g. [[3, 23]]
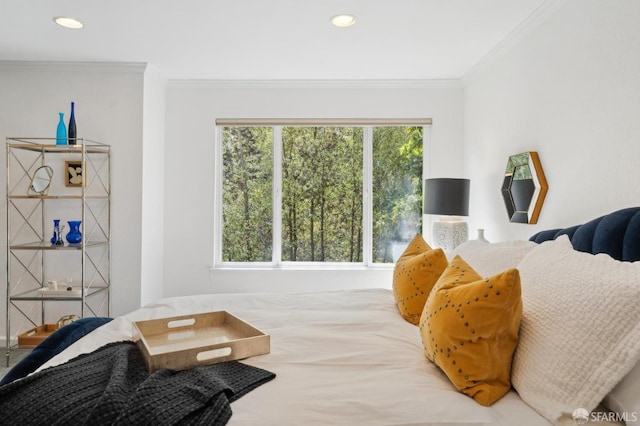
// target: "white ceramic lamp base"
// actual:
[[449, 233]]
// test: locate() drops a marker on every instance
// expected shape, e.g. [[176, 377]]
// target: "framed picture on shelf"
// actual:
[[73, 173]]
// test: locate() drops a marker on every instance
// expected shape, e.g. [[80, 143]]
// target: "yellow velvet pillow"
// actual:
[[469, 328], [415, 273]]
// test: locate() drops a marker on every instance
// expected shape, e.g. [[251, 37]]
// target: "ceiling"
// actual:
[[269, 39]]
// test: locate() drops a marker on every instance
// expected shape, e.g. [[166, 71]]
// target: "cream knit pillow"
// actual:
[[580, 328], [488, 259]]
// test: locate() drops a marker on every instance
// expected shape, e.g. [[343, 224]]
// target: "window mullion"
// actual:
[[277, 196], [427, 221], [367, 195], [217, 201]]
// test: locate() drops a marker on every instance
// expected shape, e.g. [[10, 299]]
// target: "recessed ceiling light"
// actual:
[[67, 22], [343, 20]]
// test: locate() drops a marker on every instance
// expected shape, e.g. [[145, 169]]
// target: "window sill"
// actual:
[[307, 266]]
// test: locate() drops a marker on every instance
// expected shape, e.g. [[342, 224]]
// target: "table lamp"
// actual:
[[448, 198]]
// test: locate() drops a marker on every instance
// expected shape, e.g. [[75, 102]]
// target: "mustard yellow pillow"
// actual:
[[415, 273], [469, 328]]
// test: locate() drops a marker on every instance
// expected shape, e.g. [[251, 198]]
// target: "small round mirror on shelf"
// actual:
[[41, 180]]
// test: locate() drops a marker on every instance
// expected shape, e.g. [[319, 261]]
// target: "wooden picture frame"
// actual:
[[73, 173]]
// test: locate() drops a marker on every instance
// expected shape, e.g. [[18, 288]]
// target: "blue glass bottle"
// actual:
[[72, 126], [61, 131], [56, 231]]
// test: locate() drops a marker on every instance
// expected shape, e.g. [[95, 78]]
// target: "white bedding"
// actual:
[[340, 358]]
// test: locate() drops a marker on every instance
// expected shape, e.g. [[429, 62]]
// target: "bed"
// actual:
[[350, 358]]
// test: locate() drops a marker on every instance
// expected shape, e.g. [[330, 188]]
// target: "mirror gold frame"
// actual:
[[41, 181], [524, 187]]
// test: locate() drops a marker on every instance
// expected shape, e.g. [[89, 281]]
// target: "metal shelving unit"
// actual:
[[32, 260]]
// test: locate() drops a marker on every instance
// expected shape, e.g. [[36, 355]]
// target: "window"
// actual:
[[247, 214], [322, 193]]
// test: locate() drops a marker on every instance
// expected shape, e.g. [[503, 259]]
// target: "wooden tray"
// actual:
[[33, 337], [182, 342]]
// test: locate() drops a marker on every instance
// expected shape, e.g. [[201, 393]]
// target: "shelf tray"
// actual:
[[49, 145], [75, 291], [37, 294], [46, 245], [182, 342]]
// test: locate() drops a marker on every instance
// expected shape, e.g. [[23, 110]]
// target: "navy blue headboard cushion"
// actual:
[[617, 234]]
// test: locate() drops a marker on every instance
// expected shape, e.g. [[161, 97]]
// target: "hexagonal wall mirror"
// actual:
[[524, 187]]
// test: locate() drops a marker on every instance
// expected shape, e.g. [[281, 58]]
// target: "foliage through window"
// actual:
[[311, 184]]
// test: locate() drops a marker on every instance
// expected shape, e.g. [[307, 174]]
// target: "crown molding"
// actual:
[[111, 67], [316, 84], [537, 17], [141, 67]]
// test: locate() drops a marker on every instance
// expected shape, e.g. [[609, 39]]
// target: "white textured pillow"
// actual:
[[580, 328], [489, 259], [624, 399]]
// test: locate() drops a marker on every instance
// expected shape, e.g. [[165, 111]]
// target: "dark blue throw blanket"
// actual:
[[52, 346], [111, 386]]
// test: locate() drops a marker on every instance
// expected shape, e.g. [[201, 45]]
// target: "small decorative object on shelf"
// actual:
[[72, 126], [66, 320], [61, 131], [56, 231], [74, 236], [73, 172], [56, 240], [41, 181]]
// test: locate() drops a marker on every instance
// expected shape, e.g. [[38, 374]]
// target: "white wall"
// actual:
[[108, 101], [153, 178], [570, 90], [192, 108]]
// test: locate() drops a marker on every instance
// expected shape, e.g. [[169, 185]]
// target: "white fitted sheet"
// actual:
[[340, 358]]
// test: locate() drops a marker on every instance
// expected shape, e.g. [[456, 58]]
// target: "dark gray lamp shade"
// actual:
[[446, 197]]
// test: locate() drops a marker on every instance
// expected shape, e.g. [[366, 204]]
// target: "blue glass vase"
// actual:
[[56, 240], [61, 131], [74, 236]]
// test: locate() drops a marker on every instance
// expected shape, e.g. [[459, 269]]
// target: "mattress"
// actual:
[[340, 358]]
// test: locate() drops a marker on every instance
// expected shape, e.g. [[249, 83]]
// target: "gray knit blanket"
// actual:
[[111, 386]]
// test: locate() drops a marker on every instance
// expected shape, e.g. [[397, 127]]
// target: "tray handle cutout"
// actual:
[[180, 335], [187, 322], [214, 353]]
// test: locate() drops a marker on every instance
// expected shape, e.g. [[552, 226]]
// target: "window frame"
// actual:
[[367, 208]]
